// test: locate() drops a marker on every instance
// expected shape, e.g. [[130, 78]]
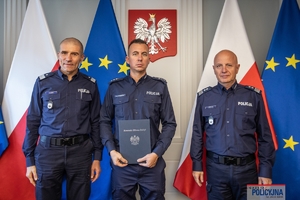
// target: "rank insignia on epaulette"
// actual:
[[204, 90], [43, 76], [254, 89], [160, 79], [115, 80], [93, 80]]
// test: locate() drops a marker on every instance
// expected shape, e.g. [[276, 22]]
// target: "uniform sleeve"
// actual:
[[34, 115], [196, 151], [266, 150], [168, 124], [106, 117], [95, 128]]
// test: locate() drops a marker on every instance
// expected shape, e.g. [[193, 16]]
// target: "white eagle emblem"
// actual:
[[135, 140], [153, 35]]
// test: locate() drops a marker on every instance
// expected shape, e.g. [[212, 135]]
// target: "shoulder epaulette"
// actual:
[[204, 90], [159, 79], [115, 80], [253, 89], [92, 79], [43, 76], [89, 78]]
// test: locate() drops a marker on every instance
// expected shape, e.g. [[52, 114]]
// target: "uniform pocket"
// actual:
[[50, 102], [152, 106], [208, 188], [212, 119], [120, 103], [245, 118], [83, 101]]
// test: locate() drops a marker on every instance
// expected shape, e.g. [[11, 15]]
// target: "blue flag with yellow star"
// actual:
[[104, 60], [3, 135], [281, 79], [104, 51]]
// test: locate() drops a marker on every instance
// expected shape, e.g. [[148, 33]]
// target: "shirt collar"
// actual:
[[221, 88], [62, 76], [132, 81]]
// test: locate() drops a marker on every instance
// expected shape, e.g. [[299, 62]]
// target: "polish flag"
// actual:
[[230, 34], [34, 55]]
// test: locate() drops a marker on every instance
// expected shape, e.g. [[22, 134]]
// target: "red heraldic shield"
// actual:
[[158, 28]]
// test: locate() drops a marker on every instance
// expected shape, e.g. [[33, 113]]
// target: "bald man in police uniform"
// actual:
[[232, 116]]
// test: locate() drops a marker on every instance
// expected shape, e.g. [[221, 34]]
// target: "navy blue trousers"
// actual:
[[55, 162], [228, 182], [150, 181]]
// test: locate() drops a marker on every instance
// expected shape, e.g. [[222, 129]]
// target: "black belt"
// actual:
[[228, 160], [69, 141]]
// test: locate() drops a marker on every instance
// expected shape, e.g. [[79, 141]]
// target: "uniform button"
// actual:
[[136, 113], [228, 135], [227, 108], [227, 122], [136, 99]]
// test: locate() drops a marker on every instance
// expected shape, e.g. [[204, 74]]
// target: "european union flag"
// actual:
[[105, 60], [281, 77], [3, 135], [104, 51]]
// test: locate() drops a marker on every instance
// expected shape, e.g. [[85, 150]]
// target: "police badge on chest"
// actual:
[[210, 120], [50, 105]]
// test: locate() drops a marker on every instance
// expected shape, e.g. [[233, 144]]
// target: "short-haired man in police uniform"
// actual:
[[232, 116], [63, 118], [138, 96]]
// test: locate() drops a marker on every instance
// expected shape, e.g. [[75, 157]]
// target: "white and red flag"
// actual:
[[34, 55], [230, 34]]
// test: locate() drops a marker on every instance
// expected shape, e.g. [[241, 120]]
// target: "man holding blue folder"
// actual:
[[135, 97]]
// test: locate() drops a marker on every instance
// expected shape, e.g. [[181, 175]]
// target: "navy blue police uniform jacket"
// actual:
[[149, 98], [231, 119], [63, 108]]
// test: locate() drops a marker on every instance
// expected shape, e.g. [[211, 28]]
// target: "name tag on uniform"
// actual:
[[210, 120]]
